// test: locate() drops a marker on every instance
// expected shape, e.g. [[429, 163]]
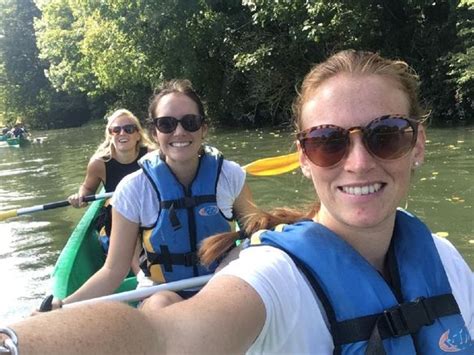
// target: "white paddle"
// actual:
[[145, 292]]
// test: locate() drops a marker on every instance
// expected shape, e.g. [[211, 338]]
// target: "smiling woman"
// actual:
[[117, 156], [184, 193]]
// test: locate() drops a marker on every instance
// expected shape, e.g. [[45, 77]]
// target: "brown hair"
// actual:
[[348, 61], [360, 62], [182, 86]]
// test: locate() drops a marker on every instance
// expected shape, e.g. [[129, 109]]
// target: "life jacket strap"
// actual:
[[168, 259], [188, 201], [403, 319], [184, 203]]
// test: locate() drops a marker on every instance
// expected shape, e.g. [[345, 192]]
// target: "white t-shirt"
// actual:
[[136, 200], [295, 320]]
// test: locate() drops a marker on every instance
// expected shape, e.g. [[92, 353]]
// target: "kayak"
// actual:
[[82, 256], [3, 138], [18, 142]]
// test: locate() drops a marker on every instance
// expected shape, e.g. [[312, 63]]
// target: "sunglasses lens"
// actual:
[[326, 145], [390, 137], [166, 124], [115, 130], [130, 128], [191, 123]]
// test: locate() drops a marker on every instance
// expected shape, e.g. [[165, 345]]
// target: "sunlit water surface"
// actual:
[[443, 196]]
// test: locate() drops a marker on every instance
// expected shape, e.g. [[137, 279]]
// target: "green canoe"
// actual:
[[18, 142], [82, 257]]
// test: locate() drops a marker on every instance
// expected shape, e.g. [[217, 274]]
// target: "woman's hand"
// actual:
[[49, 304], [76, 200]]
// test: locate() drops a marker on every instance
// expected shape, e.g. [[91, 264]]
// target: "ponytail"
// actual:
[[216, 247]]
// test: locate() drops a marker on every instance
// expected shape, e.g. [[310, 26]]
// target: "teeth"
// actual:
[[362, 190], [123, 140], [180, 144]]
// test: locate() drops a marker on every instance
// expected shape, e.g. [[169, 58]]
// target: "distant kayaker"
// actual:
[[117, 156], [353, 275], [19, 130], [184, 193]]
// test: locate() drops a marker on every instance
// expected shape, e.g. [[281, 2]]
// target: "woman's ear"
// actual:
[[205, 129], [304, 162], [419, 149]]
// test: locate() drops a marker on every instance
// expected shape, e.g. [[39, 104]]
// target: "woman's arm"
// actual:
[[225, 317], [95, 174], [243, 204], [122, 246]]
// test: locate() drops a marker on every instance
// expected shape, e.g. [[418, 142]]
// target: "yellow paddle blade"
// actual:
[[7, 214], [274, 165]]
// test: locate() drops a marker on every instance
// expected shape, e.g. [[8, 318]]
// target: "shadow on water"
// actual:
[[443, 196]]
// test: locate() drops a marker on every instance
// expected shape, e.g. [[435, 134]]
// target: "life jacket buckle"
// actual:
[[409, 317], [190, 259]]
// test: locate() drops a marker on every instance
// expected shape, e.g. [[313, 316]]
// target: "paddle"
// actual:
[[141, 293], [261, 167], [274, 165], [49, 206]]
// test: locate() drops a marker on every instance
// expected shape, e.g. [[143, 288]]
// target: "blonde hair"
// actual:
[[106, 150]]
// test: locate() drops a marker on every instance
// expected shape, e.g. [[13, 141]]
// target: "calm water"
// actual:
[[443, 196]]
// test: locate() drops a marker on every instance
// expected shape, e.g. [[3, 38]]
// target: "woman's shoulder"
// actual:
[[447, 251], [231, 167], [96, 166], [261, 259]]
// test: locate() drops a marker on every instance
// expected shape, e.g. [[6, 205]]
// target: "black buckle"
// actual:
[[190, 259], [189, 202], [408, 318]]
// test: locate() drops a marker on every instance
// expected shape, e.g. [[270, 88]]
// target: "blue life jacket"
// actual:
[[187, 216], [417, 314]]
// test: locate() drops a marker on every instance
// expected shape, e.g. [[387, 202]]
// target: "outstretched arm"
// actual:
[[225, 317]]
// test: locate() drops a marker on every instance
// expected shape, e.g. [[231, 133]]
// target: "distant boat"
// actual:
[[18, 142]]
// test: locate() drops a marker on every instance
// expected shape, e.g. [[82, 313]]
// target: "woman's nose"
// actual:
[[358, 159]]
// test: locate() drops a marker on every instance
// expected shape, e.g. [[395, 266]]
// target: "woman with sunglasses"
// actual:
[[352, 275], [117, 156], [184, 193]]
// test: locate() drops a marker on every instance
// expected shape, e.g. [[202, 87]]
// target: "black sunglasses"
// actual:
[[128, 128], [387, 138], [168, 124]]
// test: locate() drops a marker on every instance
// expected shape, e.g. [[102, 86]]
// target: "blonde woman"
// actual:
[[117, 156]]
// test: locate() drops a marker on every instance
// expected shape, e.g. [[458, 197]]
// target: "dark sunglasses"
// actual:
[[128, 128], [387, 138], [168, 124]]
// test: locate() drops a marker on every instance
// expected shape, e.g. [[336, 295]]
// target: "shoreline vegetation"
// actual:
[[63, 64]]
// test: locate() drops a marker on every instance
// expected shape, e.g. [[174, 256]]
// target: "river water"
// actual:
[[443, 196]]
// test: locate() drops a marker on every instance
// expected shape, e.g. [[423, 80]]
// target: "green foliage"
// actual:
[[244, 57], [461, 65]]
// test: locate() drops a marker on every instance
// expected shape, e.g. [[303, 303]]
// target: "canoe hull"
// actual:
[[18, 142], [82, 257]]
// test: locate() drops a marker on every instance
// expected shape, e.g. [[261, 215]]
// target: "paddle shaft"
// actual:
[[49, 206], [145, 292], [261, 167]]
